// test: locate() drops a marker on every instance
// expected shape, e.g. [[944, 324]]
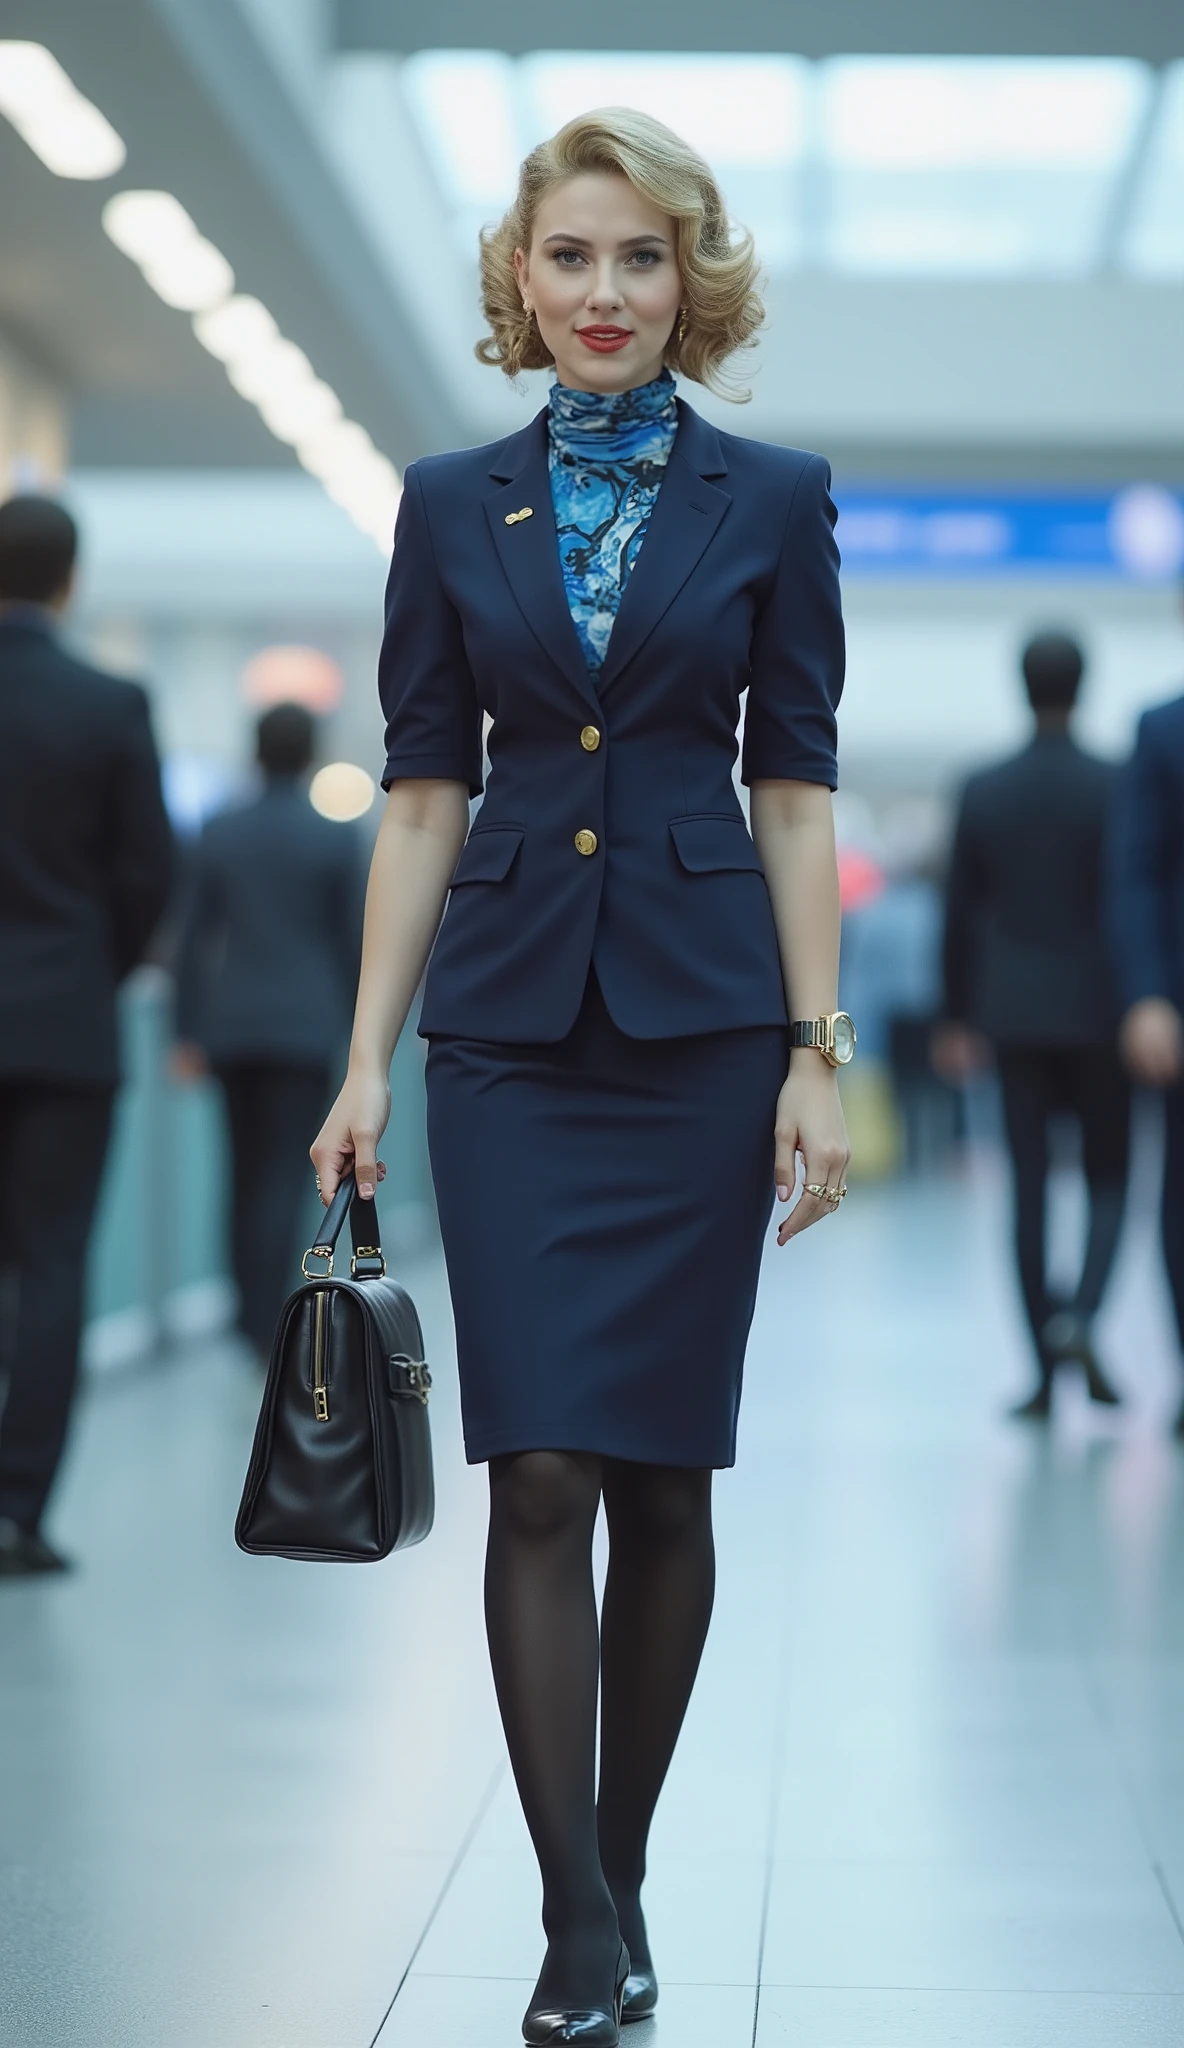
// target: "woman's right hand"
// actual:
[[348, 1139]]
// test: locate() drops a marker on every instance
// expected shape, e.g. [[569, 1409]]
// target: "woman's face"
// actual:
[[602, 277]]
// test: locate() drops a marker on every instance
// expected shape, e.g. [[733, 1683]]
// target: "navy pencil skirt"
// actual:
[[603, 1203]]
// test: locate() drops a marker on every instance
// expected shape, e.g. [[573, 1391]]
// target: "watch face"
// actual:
[[844, 1038]]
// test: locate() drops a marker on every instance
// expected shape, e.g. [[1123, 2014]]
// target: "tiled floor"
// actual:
[[931, 1789]]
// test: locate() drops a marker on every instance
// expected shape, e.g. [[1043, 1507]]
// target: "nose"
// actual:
[[604, 293]]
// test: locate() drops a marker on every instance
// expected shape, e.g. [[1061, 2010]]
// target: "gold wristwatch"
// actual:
[[833, 1037]]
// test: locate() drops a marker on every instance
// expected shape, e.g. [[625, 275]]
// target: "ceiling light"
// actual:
[[184, 270], [191, 278], [274, 375], [147, 226], [236, 331], [278, 367], [293, 416], [342, 791], [69, 134], [337, 451]]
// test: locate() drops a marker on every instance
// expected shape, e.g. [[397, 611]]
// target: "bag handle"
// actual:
[[367, 1261]]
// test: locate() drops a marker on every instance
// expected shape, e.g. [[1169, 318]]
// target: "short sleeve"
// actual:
[[798, 654], [433, 719]]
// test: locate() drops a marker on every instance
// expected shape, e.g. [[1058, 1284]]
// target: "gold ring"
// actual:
[[815, 1188]]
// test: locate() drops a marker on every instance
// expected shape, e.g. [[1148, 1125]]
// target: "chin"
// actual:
[[619, 372]]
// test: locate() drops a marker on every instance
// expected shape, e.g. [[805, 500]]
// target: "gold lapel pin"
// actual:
[[512, 518]]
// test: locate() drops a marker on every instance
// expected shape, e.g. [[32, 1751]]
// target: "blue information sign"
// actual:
[[1136, 534]]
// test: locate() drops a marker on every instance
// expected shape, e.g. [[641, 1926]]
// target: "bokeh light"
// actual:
[[342, 791], [293, 675]]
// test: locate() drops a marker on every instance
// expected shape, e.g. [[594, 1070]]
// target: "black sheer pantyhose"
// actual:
[[540, 1611], [657, 1605], [543, 1639]]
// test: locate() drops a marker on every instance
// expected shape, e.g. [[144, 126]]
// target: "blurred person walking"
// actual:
[[1147, 927], [1028, 975], [268, 947], [85, 871]]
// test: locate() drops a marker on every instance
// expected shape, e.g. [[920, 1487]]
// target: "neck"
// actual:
[[571, 382], [1055, 723]]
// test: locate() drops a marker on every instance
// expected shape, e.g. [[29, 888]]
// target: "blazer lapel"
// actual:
[[529, 550], [685, 516]]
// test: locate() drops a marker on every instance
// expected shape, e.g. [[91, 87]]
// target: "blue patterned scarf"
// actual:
[[608, 453]]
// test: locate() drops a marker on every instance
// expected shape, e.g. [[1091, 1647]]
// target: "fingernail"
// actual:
[[782, 1193], [366, 1190]]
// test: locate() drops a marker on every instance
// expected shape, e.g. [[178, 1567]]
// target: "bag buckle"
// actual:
[[318, 1251], [365, 1257], [417, 1374]]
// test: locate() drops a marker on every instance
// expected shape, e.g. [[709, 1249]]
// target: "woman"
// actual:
[[612, 1097]]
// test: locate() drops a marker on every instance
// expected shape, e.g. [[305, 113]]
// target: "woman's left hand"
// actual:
[[810, 1121]]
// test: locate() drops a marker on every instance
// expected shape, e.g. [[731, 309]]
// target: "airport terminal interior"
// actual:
[[931, 1785]]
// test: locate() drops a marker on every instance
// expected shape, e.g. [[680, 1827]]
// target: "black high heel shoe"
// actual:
[[588, 2026], [641, 1995]]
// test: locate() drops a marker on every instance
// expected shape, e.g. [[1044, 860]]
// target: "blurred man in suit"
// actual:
[[1147, 928], [85, 869], [267, 966], [1028, 976]]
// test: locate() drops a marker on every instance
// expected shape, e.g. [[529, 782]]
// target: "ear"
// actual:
[[522, 270]]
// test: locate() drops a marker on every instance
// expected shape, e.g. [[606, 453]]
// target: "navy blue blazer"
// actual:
[[1025, 952], [1147, 861], [86, 855], [611, 831], [270, 934]]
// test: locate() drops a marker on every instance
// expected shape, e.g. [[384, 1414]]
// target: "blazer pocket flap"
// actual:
[[712, 845], [488, 854]]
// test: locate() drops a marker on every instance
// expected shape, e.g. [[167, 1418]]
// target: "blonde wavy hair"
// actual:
[[717, 263]]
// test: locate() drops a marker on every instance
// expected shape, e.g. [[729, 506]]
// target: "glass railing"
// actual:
[[159, 1264]]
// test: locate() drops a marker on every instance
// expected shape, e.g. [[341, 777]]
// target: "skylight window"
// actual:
[[1155, 240], [480, 113], [463, 104], [980, 113], [980, 166], [746, 115], [939, 167]]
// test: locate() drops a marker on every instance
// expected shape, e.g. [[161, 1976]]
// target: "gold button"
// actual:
[[590, 739], [585, 842]]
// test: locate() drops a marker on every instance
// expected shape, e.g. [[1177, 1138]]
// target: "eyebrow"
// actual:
[[582, 242]]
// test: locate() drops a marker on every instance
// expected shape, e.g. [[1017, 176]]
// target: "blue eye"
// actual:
[[561, 256], [646, 257]]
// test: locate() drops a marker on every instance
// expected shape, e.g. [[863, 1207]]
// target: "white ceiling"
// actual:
[[975, 273]]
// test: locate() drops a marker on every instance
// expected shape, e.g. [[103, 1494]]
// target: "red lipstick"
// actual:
[[605, 340]]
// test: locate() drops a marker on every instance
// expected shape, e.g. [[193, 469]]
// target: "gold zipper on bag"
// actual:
[[320, 1392]]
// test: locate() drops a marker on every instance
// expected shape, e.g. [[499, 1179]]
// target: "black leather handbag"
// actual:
[[341, 1468]]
